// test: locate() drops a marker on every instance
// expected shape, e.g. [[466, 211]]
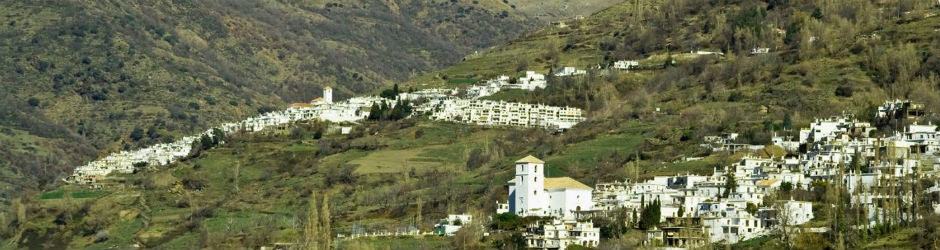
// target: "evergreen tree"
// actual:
[[650, 216], [375, 113], [217, 136], [205, 142], [137, 134], [731, 185], [817, 14]]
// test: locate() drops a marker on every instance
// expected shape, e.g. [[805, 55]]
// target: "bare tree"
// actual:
[[784, 225], [470, 234], [418, 218], [238, 166], [326, 240]]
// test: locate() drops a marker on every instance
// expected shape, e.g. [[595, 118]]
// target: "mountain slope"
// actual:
[[641, 123], [85, 78]]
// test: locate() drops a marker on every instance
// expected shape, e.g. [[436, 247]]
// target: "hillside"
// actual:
[[824, 59], [85, 78]]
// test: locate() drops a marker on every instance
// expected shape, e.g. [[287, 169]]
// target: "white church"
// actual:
[[531, 194]]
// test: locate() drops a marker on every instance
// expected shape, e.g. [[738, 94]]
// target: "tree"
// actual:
[[613, 226], [140, 164], [375, 113], [318, 134], [217, 136], [137, 134], [33, 101], [507, 221], [844, 91], [477, 158], [786, 187], [420, 206], [731, 185], [326, 237], [783, 223], [751, 208], [153, 133], [205, 141], [298, 132], [649, 218], [469, 235], [389, 94], [238, 166], [817, 14], [311, 234]]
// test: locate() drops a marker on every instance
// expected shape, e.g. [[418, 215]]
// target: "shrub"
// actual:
[[137, 134], [507, 221], [33, 101], [844, 91]]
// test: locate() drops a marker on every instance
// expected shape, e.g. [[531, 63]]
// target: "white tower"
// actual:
[[530, 187], [327, 95]]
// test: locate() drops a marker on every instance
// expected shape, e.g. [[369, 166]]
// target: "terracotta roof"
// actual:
[[564, 183], [318, 99], [767, 182], [301, 105], [530, 159]]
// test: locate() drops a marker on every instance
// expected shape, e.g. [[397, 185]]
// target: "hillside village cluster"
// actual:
[[697, 210], [694, 210], [440, 104]]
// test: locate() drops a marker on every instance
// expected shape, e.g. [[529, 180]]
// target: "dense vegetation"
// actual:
[[825, 58]]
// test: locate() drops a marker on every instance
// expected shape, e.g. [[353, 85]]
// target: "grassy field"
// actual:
[[898, 240], [584, 154], [396, 161], [759, 243], [57, 194]]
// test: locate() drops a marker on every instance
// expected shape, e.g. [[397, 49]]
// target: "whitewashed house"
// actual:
[[531, 194], [569, 71], [756, 51], [530, 81], [559, 234], [729, 222], [453, 223], [797, 212], [626, 64]]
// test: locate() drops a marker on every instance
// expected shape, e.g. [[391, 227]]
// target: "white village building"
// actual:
[[531, 194], [569, 71], [626, 64], [559, 234], [322, 108], [508, 114], [530, 81], [453, 223]]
